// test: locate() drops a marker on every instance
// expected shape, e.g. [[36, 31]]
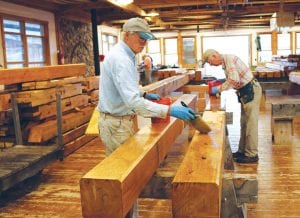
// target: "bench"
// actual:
[[283, 110], [111, 187]]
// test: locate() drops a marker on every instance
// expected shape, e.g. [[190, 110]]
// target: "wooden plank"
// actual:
[[47, 130], [38, 97], [111, 187], [74, 133], [197, 185], [51, 83], [49, 110], [76, 144], [28, 74]]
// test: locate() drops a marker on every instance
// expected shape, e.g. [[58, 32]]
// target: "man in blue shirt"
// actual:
[[120, 98]]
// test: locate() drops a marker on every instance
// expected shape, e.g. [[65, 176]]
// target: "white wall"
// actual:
[[21, 11]]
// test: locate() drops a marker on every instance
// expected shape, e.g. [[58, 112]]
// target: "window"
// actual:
[[108, 41], [298, 43], [154, 51], [189, 53], [237, 45], [171, 55], [284, 44], [24, 43], [265, 55]]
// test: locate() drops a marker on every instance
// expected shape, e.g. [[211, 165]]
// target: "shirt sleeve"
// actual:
[[126, 81], [232, 74]]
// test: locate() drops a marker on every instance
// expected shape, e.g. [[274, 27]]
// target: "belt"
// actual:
[[124, 117]]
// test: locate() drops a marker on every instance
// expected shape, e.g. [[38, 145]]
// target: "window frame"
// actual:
[[165, 52], [44, 37], [297, 43], [259, 63], [187, 65], [152, 54]]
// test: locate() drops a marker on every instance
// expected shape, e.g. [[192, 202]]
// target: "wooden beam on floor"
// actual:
[[111, 187], [197, 186]]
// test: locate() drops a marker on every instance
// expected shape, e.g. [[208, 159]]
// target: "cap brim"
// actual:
[[146, 35]]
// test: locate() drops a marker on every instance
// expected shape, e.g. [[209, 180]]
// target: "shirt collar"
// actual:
[[127, 49]]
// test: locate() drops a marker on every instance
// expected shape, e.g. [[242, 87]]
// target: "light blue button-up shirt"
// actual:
[[119, 91]]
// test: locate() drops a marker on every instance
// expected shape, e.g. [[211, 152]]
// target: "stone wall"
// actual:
[[76, 43]]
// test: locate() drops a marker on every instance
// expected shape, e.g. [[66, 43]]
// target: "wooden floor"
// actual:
[[55, 191]]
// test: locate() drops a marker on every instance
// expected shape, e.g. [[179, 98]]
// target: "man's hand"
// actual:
[[183, 113], [152, 96]]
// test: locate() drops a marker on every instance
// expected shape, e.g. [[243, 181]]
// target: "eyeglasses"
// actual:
[[142, 39]]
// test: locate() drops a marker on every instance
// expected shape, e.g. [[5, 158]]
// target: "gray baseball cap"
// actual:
[[140, 26]]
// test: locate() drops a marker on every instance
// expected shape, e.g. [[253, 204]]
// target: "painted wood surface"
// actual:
[[111, 188]]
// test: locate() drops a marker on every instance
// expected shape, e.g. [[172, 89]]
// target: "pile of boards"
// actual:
[[36, 90]]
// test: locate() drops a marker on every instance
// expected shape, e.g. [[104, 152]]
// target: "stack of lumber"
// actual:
[[280, 67], [91, 88], [36, 93], [266, 73]]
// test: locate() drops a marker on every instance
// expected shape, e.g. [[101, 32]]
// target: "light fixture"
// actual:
[[123, 2], [152, 13]]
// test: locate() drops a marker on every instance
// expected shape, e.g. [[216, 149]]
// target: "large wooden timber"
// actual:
[[163, 88], [38, 97], [20, 75], [111, 187], [197, 186], [21, 161], [168, 85], [47, 130], [49, 110]]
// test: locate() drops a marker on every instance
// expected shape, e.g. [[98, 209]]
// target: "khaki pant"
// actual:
[[249, 123], [114, 131]]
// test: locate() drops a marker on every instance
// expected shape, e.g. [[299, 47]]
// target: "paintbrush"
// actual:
[[198, 123]]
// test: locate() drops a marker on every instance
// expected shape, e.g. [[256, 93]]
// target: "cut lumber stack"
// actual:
[[36, 97]]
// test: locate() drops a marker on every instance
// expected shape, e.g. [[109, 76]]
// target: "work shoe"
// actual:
[[246, 159], [237, 154]]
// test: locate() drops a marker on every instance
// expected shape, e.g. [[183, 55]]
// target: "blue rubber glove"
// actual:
[[152, 96], [183, 113]]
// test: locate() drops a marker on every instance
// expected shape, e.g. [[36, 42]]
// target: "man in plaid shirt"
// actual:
[[240, 78]]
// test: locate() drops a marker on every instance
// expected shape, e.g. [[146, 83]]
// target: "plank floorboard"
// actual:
[[55, 191]]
